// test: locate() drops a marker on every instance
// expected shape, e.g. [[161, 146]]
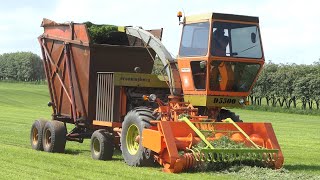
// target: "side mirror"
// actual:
[[203, 64], [137, 69], [253, 37]]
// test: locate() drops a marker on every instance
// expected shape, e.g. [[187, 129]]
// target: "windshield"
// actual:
[[232, 76], [194, 40], [236, 40]]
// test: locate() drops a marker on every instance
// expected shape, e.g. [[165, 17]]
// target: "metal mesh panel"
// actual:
[[105, 97]]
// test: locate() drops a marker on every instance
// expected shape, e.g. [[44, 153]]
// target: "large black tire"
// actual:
[[135, 154], [36, 134], [102, 145], [54, 137], [224, 114]]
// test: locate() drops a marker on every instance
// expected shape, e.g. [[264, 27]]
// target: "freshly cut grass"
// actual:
[[298, 136], [249, 172], [100, 34], [223, 142], [21, 104]]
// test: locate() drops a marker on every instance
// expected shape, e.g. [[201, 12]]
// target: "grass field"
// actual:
[[21, 104]]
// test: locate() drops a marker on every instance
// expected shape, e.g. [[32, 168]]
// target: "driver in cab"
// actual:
[[219, 43]]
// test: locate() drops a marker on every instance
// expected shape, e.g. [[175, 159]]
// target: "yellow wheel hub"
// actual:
[[132, 140], [47, 138], [35, 136]]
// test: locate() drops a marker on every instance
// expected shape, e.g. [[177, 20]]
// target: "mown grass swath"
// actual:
[[21, 104]]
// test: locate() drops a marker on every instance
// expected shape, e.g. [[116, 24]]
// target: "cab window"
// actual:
[[236, 40], [194, 40], [199, 74]]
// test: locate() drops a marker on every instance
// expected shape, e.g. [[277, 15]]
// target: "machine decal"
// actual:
[[185, 70], [134, 79], [224, 100]]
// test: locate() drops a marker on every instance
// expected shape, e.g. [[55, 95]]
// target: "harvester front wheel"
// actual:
[[36, 134], [224, 114], [133, 152], [54, 137], [102, 146]]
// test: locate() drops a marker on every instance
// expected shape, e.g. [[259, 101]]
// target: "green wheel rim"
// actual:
[[131, 139]]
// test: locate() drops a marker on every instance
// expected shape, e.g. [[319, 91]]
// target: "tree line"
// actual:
[[287, 85], [284, 85], [21, 66]]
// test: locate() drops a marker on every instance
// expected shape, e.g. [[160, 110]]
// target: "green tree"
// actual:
[[21, 66]]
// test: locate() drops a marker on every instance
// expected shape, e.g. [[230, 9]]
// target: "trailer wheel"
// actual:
[[102, 145], [36, 134], [224, 114], [54, 136], [133, 152]]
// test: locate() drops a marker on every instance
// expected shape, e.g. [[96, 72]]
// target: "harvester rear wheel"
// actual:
[[102, 145], [54, 136], [133, 152], [224, 114], [36, 134]]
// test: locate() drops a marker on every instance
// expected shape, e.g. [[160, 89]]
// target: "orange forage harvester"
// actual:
[[102, 81]]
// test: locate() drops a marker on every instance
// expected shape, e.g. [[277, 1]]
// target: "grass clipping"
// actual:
[[249, 172], [100, 34], [224, 143]]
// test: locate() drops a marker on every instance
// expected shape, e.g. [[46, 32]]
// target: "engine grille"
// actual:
[[105, 97]]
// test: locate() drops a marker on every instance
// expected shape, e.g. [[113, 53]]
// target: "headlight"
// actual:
[[241, 101], [152, 97]]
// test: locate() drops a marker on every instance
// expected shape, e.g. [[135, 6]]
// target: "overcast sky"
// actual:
[[290, 29]]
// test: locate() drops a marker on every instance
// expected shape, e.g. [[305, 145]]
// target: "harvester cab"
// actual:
[[219, 59], [99, 79]]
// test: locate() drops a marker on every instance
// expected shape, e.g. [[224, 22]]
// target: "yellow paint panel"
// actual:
[[223, 101], [121, 28], [198, 17], [196, 100], [139, 80], [213, 101]]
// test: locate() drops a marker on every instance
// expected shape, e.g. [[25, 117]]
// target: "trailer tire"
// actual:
[[224, 114], [102, 145], [133, 152], [36, 134], [54, 137]]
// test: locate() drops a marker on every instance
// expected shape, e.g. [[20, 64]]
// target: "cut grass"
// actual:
[[21, 104], [298, 136]]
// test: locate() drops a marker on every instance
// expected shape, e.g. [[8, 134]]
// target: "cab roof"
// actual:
[[221, 16]]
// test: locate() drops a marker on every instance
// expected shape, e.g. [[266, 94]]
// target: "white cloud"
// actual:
[[19, 29], [290, 30], [4, 28]]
